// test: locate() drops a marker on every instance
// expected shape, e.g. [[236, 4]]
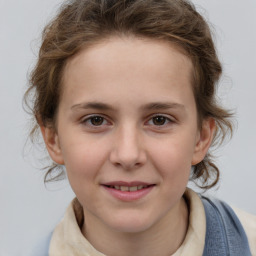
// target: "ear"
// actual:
[[204, 140], [51, 141]]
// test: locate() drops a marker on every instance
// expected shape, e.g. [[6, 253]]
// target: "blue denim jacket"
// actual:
[[225, 235]]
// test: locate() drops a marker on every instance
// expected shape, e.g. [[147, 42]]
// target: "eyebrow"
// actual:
[[92, 105], [163, 106], [149, 106]]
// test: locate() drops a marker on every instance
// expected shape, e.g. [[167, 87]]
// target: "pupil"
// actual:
[[159, 120], [97, 120]]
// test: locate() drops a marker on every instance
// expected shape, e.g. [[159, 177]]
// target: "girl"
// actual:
[[124, 95]]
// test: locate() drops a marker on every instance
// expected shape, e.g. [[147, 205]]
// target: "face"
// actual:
[[127, 132]]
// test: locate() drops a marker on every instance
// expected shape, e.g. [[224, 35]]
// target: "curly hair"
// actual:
[[81, 23]]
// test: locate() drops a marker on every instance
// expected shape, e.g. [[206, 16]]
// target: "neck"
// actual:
[[164, 238]]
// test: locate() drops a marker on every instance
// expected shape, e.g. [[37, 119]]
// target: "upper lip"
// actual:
[[127, 184]]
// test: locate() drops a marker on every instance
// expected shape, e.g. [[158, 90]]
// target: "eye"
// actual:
[[95, 121], [159, 120]]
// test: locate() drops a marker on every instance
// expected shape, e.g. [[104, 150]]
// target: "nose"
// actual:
[[127, 151]]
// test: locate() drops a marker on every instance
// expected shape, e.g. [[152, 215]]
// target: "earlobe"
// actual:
[[204, 140], [51, 141]]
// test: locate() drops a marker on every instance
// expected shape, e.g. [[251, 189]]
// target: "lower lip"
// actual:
[[127, 196]]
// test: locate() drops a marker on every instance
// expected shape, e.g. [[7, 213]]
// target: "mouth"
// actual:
[[128, 191], [129, 188]]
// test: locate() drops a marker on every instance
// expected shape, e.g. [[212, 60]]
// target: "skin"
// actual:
[[146, 130]]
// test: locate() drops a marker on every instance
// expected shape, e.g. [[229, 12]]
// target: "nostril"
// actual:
[[128, 154]]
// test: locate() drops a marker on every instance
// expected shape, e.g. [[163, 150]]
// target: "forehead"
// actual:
[[131, 49], [117, 66]]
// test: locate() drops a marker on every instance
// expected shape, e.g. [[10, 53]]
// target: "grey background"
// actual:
[[28, 209]]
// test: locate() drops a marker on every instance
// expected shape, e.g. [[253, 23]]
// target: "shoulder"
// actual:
[[248, 222]]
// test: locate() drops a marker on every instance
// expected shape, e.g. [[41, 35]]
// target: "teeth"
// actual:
[[130, 189], [133, 189], [123, 188]]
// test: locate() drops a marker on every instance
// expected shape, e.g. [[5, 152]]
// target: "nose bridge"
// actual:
[[128, 150]]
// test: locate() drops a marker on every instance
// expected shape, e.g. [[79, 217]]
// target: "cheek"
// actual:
[[172, 157], [173, 163], [83, 158]]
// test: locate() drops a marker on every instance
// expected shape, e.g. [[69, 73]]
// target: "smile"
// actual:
[[130, 189]]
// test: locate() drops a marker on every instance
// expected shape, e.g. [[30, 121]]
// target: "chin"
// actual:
[[131, 224]]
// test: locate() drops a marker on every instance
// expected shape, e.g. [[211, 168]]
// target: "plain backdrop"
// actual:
[[28, 209]]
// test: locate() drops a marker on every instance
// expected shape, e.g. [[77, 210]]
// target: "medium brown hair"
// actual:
[[81, 23]]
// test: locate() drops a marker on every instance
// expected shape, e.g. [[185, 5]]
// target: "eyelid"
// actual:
[[86, 118], [169, 118]]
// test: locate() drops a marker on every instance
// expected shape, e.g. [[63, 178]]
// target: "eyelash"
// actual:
[[88, 121], [166, 120], [90, 118]]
